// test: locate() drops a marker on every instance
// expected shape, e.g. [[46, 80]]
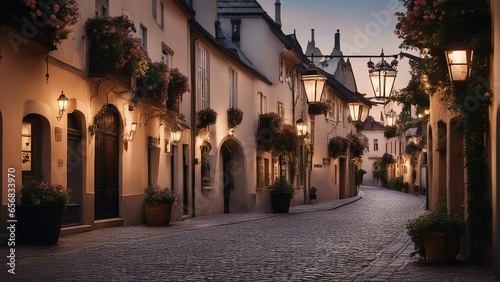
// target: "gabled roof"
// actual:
[[223, 44], [253, 8]]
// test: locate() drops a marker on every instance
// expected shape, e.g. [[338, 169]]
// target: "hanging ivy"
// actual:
[[430, 26]]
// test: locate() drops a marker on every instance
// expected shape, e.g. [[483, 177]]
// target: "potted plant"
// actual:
[[436, 235], [282, 192], [158, 205], [312, 195], [234, 117], [39, 214], [205, 117]]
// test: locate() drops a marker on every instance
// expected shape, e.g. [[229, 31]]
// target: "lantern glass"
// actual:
[[355, 110], [313, 83], [62, 102], [301, 127], [391, 118], [382, 82], [133, 127], [365, 110], [175, 134], [459, 61]]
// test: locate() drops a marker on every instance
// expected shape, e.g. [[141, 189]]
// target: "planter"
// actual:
[[312, 199], [157, 215], [38, 225], [280, 203], [440, 248]]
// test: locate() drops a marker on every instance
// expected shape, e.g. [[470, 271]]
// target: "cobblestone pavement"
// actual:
[[356, 239]]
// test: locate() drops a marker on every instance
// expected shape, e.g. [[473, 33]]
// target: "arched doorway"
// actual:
[[234, 177], [106, 182], [74, 171]]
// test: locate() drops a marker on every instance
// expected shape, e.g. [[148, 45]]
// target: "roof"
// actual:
[[253, 8], [228, 48]]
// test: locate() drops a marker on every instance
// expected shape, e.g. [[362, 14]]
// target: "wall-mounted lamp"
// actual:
[[301, 127], [231, 132], [130, 135], [62, 104], [458, 59], [176, 133]]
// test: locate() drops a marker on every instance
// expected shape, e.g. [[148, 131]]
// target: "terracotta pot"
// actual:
[[440, 248], [157, 215]]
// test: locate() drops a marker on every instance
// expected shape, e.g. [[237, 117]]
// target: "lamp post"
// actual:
[[382, 76], [458, 59]]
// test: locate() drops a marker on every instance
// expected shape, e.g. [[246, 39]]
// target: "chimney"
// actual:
[[312, 34], [277, 12], [337, 40]]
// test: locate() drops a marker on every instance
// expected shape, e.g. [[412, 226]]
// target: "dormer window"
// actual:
[[236, 26]]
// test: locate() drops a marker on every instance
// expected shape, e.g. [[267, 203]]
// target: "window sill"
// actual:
[[207, 188]]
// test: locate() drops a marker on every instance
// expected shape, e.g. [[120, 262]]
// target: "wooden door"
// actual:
[[106, 167], [74, 163]]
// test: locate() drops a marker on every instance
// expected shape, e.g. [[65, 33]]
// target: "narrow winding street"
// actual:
[[347, 243]]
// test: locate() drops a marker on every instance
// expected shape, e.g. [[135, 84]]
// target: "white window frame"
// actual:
[[102, 8], [143, 34], [166, 54], [233, 87], [375, 144], [281, 109], [262, 99], [203, 78]]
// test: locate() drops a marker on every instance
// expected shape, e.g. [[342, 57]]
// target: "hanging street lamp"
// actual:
[[392, 118], [313, 83], [382, 76], [358, 110]]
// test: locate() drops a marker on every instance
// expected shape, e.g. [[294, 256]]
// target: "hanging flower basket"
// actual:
[[358, 144], [390, 131], [319, 108], [337, 146], [286, 141], [58, 18], [113, 47], [269, 127], [177, 87], [152, 86], [205, 117], [234, 117]]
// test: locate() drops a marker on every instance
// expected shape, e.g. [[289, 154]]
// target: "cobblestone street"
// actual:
[[351, 240]]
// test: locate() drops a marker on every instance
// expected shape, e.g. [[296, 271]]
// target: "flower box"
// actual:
[[205, 117]]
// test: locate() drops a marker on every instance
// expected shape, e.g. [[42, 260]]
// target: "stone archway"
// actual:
[[234, 177]]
